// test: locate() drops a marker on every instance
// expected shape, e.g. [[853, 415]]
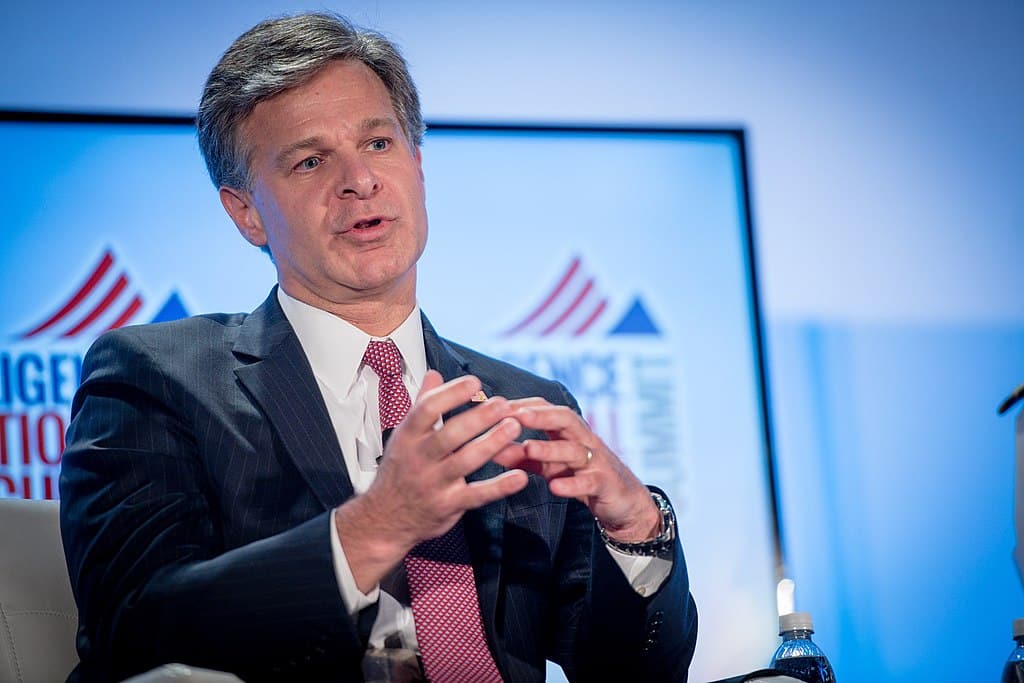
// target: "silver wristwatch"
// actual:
[[661, 544]]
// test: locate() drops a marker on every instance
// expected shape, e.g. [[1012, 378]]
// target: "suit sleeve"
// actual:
[[147, 562], [609, 631]]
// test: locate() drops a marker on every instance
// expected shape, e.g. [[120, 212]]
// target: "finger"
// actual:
[[513, 456], [581, 485], [479, 493], [471, 423], [559, 420], [432, 403], [483, 448], [528, 402], [569, 453]]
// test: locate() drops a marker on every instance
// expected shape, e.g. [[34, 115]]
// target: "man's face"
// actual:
[[337, 190]]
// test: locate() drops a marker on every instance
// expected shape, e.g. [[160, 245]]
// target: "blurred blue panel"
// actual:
[[896, 480]]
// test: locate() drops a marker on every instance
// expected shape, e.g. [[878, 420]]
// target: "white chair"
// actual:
[[38, 616]]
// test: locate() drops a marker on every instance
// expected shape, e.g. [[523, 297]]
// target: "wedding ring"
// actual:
[[590, 456]]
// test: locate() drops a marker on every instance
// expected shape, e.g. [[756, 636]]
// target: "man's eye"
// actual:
[[380, 144], [308, 164]]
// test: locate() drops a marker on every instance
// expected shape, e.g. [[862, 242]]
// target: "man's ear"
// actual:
[[239, 205]]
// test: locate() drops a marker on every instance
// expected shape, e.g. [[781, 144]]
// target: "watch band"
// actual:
[[659, 545]]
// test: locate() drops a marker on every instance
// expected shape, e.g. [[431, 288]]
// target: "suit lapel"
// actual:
[[275, 371], [484, 526]]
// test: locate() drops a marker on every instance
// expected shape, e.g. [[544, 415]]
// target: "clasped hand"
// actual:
[[421, 491]]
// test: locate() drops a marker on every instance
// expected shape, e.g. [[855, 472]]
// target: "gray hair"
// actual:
[[278, 54]]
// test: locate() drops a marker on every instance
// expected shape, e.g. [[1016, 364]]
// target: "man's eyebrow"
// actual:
[[378, 122], [311, 142]]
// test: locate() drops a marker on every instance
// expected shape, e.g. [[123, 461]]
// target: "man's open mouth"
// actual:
[[369, 223]]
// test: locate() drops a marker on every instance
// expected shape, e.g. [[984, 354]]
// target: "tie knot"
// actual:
[[384, 358]]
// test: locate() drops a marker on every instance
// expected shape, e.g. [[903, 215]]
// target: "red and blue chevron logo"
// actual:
[[106, 300], [576, 306]]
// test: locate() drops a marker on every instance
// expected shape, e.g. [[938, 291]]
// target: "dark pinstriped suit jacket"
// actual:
[[200, 470]]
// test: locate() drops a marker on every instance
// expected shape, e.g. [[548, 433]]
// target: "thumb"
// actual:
[[431, 380]]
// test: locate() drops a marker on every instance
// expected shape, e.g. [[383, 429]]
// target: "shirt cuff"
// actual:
[[355, 600], [645, 573]]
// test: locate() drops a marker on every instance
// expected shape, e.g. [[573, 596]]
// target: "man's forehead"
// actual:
[[383, 119], [356, 75]]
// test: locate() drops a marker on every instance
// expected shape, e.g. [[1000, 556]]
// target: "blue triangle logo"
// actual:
[[173, 309], [636, 321]]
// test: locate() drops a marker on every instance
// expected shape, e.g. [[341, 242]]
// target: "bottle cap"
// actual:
[[795, 621], [1018, 628]]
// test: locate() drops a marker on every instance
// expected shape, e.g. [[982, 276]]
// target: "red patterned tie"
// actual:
[[445, 606]]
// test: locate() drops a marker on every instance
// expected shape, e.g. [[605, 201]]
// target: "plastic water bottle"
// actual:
[[798, 656], [1013, 672]]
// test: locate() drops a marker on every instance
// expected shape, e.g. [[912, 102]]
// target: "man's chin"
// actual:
[[395, 283]]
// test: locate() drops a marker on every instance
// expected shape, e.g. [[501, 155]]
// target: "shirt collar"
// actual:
[[335, 347]]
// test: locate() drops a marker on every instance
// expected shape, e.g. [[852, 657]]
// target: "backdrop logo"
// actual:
[[105, 301], [608, 349], [575, 306], [42, 366]]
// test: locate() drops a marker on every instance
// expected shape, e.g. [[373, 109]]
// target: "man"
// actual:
[[260, 494]]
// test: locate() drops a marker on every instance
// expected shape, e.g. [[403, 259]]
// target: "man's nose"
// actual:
[[357, 179]]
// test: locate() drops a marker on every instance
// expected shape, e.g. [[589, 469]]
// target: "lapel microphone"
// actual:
[[385, 434]]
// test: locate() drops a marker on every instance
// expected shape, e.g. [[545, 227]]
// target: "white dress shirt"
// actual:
[[335, 350]]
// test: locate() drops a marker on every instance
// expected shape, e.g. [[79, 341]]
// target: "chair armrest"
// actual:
[[179, 673]]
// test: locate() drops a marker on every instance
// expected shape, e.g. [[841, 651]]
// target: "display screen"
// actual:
[[616, 261]]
